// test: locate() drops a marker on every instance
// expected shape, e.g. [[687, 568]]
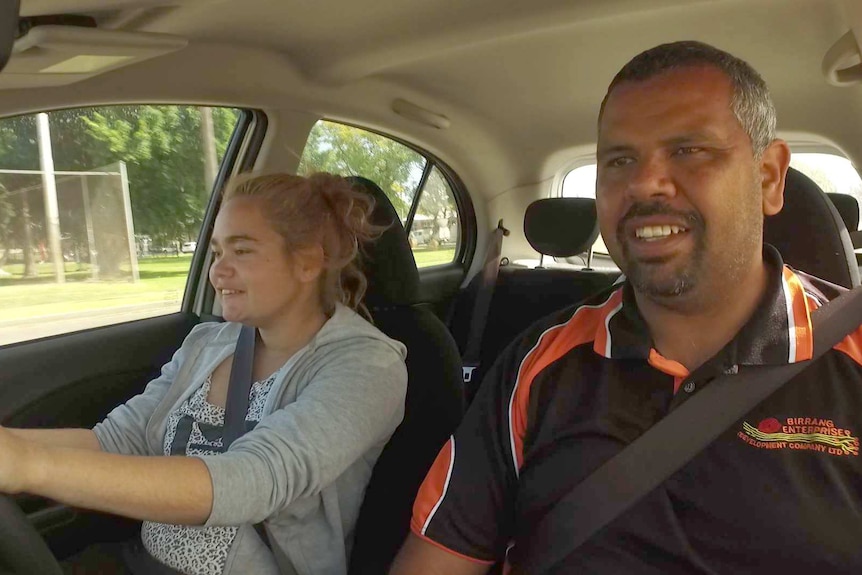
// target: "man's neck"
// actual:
[[692, 332]]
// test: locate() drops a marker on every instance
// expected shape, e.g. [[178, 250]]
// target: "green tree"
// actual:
[[160, 145], [349, 151], [164, 156], [437, 202]]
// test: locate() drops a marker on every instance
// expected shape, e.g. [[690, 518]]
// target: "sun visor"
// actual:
[[59, 55], [8, 28]]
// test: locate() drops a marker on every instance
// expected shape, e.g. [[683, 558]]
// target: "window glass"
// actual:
[[436, 228], [349, 151], [100, 210], [581, 183], [832, 173]]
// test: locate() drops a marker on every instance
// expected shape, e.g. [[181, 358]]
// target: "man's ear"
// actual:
[[773, 169]]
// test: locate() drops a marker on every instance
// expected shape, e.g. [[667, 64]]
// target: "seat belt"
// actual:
[[236, 404], [662, 450], [490, 269], [239, 387]]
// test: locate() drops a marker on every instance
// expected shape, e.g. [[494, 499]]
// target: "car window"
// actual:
[[435, 228], [581, 183], [833, 173], [417, 188], [100, 210]]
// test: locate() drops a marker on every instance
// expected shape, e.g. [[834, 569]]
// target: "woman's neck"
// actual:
[[293, 331]]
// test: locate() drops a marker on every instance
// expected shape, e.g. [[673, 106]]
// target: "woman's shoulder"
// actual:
[[212, 332], [347, 330]]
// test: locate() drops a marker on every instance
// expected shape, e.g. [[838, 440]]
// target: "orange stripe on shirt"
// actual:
[[669, 367], [852, 346], [433, 488], [666, 365], [801, 317], [585, 325], [602, 334]]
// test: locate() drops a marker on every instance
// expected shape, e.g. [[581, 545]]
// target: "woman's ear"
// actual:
[[773, 169], [309, 263]]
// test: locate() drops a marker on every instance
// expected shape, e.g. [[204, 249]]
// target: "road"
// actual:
[[44, 326]]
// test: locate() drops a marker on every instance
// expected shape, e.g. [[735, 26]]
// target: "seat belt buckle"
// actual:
[[467, 372]]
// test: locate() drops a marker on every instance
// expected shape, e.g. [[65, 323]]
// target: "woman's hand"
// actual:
[[151, 488]]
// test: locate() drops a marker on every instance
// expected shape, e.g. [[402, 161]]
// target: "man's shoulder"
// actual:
[[573, 325], [822, 291]]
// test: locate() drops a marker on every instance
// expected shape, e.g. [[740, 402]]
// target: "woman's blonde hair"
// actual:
[[320, 209]]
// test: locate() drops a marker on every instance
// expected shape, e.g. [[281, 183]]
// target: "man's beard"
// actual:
[[657, 278]]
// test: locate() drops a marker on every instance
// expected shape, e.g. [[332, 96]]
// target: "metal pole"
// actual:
[[29, 264], [130, 228], [91, 236], [49, 188]]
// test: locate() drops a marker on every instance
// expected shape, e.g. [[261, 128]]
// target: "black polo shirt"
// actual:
[[781, 488]]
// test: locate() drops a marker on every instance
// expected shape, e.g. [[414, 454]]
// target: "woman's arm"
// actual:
[[158, 488], [124, 430], [354, 402], [77, 438]]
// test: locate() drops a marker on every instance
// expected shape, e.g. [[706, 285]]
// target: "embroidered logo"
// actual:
[[801, 433]]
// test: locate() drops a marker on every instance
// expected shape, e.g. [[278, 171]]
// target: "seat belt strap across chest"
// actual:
[[236, 404], [239, 387], [662, 450]]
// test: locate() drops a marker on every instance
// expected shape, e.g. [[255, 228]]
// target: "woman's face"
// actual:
[[257, 281]]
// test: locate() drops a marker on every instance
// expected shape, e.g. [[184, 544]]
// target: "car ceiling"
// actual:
[[520, 82]]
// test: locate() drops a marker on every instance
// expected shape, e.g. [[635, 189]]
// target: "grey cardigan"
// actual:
[[304, 468]]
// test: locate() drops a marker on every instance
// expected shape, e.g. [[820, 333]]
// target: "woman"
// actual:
[[329, 391]]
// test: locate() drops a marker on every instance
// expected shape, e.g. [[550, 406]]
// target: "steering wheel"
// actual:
[[22, 549]]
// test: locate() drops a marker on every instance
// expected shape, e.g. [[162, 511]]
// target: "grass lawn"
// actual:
[[426, 258], [163, 279]]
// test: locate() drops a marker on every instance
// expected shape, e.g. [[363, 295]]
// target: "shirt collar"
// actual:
[[778, 332]]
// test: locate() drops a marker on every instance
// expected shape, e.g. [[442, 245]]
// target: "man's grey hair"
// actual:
[[751, 103]]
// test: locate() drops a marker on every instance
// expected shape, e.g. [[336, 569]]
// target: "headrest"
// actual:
[[810, 234], [848, 207], [561, 227], [388, 261]]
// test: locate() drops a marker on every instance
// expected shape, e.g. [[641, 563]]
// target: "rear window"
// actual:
[[581, 183]]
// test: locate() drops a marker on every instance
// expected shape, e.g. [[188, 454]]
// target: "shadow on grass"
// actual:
[[84, 276], [155, 274], [39, 280]]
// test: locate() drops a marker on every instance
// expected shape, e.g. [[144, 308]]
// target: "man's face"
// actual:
[[678, 188]]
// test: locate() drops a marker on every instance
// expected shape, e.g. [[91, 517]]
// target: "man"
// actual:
[[688, 166]]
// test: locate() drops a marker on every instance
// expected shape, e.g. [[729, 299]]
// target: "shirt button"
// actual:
[[689, 387]]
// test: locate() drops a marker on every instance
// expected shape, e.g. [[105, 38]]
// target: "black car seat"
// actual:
[[435, 397], [558, 227], [848, 207], [810, 234]]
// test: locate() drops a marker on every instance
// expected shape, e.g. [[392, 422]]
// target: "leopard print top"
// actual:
[[195, 428]]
